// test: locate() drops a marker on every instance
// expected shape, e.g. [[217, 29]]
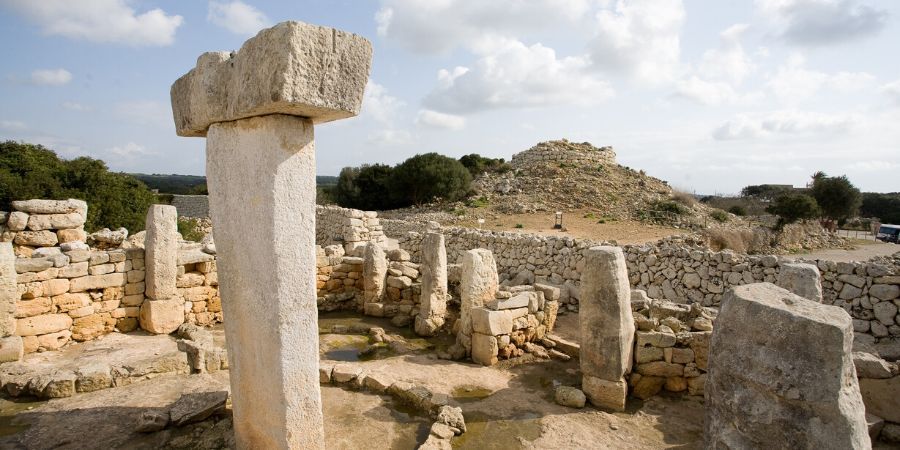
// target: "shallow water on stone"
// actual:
[[468, 393], [486, 432], [9, 409]]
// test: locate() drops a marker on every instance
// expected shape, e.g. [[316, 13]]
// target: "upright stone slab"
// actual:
[[781, 374], [257, 108], [161, 252], [478, 284], [433, 304], [8, 291], [607, 327], [374, 273], [801, 279]]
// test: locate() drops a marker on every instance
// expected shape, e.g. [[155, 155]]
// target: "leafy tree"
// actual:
[[477, 164], [114, 199], [424, 178], [345, 192], [838, 199], [793, 207], [738, 210], [765, 191], [885, 207]]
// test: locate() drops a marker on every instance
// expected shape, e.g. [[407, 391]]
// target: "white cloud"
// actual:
[[729, 60], [104, 21], [51, 77], [517, 76], [784, 123], [436, 26], [379, 105], [822, 22], [237, 17], [12, 125], [390, 137], [711, 92], [74, 106], [873, 166], [641, 38], [892, 90], [793, 82], [434, 119]]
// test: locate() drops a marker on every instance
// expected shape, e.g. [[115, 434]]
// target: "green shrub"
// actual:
[[589, 216], [669, 206], [477, 164], [29, 171], [189, 229], [738, 210], [519, 225], [479, 202], [719, 215], [427, 177], [792, 207]]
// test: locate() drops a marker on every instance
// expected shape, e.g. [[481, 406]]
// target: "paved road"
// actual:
[[861, 253]]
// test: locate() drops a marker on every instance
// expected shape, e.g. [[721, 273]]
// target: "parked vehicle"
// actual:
[[888, 233]]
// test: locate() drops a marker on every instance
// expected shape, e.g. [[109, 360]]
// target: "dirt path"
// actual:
[[863, 252], [579, 224]]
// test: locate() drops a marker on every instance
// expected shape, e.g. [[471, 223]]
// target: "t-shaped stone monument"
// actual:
[[257, 108]]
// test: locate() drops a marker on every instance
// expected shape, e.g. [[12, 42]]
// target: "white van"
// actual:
[[888, 233]]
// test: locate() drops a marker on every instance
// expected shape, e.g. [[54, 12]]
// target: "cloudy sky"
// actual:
[[709, 95]]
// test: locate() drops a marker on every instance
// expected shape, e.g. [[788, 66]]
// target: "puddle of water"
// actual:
[[486, 432], [468, 393], [9, 414]]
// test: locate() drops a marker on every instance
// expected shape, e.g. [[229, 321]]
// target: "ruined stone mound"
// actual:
[[562, 175]]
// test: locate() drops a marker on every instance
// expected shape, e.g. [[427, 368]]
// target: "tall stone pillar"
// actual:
[[257, 108], [781, 374], [374, 273], [433, 304], [11, 347], [162, 311], [607, 327], [477, 284], [801, 279]]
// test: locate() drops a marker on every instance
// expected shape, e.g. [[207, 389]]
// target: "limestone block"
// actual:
[[17, 221], [292, 68], [374, 273], [8, 292], [434, 276], [38, 222], [520, 300], [881, 397], [96, 282], [161, 251], [161, 316], [48, 323], [72, 235], [605, 393], [885, 291], [55, 341], [606, 321], [781, 374], [801, 279], [493, 323], [33, 307], [76, 270], [51, 206], [484, 349], [68, 302], [11, 349], [44, 238], [478, 284]]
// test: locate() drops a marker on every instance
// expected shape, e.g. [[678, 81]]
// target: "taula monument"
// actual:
[[257, 108]]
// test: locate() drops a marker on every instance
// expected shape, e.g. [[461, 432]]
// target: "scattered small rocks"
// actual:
[[570, 396]]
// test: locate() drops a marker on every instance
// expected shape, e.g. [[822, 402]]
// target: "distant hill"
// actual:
[[192, 184]]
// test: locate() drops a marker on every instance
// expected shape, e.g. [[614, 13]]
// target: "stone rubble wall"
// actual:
[[351, 228], [339, 285], [508, 326], [679, 270], [563, 152], [66, 291], [193, 206]]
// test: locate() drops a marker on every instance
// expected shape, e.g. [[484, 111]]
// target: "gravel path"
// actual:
[[862, 252]]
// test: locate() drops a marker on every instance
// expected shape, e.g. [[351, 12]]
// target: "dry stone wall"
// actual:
[[681, 270], [563, 152], [351, 228], [193, 206]]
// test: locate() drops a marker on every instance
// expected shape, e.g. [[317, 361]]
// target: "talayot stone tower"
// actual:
[[563, 152]]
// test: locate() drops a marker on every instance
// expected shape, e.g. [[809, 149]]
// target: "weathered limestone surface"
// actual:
[[266, 259], [8, 293], [478, 284], [161, 252], [293, 68], [781, 374], [801, 279], [434, 285], [374, 273], [607, 327], [162, 316]]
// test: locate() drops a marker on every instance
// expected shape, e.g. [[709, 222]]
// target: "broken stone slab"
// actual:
[[194, 257], [569, 396], [51, 206], [197, 406], [521, 300], [781, 374], [152, 421], [161, 316], [11, 349], [452, 416], [8, 292], [801, 279], [93, 377], [881, 397], [493, 323], [293, 68], [871, 366]]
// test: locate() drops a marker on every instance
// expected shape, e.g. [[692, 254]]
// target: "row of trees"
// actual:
[[419, 179], [114, 199], [832, 199]]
